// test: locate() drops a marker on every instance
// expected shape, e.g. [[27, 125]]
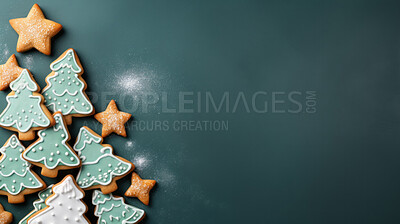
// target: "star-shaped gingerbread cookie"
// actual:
[[113, 120], [35, 31], [5, 217], [9, 72], [140, 188]]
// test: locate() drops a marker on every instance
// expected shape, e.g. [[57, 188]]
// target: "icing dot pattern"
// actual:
[[60, 95], [15, 173], [51, 149], [99, 165], [19, 102]]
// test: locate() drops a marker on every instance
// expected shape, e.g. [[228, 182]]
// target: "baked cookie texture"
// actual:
[[65, 89], [100, 167], [16, 177], [35, 31], [5, 217], [113, 120], [25, 111], [111, 209], [51, 150], [140, 188], [9, 72]]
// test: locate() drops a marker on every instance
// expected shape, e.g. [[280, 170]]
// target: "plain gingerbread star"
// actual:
[[5, 217], [113, 120], [140, 188], [9, 72], [35, 31]]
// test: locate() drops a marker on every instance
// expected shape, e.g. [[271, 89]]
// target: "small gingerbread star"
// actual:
[[140, 188], [5, 217], [113, 120], [9, 72], [35, 31]]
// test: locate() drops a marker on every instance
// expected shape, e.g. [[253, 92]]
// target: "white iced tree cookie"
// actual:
[[52, 151], [25, 111], [64, 206], [113, 210], [65, 89], [100, 167], [38, 204]]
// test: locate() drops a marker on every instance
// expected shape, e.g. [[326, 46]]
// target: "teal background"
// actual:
[[338, 165]]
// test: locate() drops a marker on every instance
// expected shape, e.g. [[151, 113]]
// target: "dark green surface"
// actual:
[[338, 165]]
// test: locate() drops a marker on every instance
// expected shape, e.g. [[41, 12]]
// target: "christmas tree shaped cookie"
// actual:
[[100, 168], [39, 204], [65, 90], [52, 151], [113, 210], [25, 111], [16, 178], [64, 206]]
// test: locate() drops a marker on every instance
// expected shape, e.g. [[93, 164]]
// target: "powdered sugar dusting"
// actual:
[[28, 61], [5, 53], [166, 177], [129, 82], [141, 161], [34, 31], [135, 80], [129, 144]]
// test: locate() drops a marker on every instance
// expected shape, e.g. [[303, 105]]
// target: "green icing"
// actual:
[[15, 174], [51, 148], [38, 204], [64, 91], [23, 110], [112, 210], [99, 165]]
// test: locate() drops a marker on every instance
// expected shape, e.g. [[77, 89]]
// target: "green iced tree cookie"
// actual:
[[16, 178], [113, 210], [52, 151], [25, 110], [65, 90], [100, 168]]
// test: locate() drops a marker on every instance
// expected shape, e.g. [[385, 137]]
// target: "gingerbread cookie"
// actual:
[[9, 72], [52, 151], [113, 120], [140, 188], [16, 177], [5, 217], [100, 167], [39, 204], [35, 31], [65, 89], [112, 209], [25, 111], [64, 206]]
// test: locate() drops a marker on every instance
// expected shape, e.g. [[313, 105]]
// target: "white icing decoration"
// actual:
[[106, 152], [23, 86], [67, 93], [38, 204], [6, 174], [65, 192], [51, 142], [109, 208]]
